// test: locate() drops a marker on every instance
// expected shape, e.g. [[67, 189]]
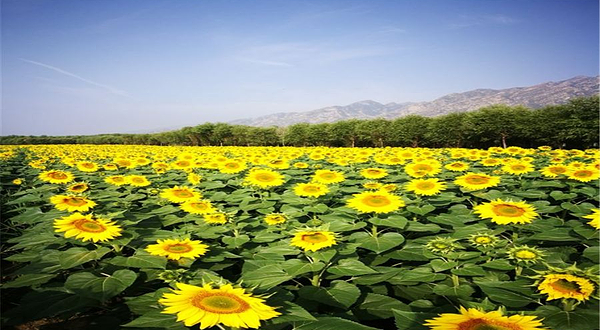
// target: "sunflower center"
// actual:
[[57, 175], [183, 163], [518, 167], [232, 165], [422, 167], [75, 201], [178, 248], [314, 238], [182, 193], [311, 189], [87, 165], [483, 324], [220, 303], [582, 174], [425, 185], [89, 226], [565, 286], [199, 206], [374, 172], [506, 210], [120, 179], [327, 176], [477, 179], [137, 180], [265, 177], [483, 240], [524, 254], [557, 170], [376, 201]]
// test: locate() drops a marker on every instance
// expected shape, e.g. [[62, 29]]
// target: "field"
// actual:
[[110, 237]]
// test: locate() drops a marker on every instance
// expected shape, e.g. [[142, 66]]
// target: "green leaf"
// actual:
[[147, 302], [394, 221], [420, 210], [28, 280], [511, 294], [423, 227], [579, 319], [350, 267], [462, 291], [236, 241], [417, 275], [330, 323], [140, 261], [592, 253], [407, 320], [381, 306], [101, 288], [498, 265], [292, 313], [77, 256], [439, 265], [295, 267], [559, 195], [341, 294], [266, 277], [469, 270], [383, 242], [554, 235], [154, 319]]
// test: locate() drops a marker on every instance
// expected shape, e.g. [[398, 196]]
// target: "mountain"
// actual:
[[536, 96]]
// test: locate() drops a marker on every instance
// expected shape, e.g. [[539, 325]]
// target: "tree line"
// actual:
[[571, 125]]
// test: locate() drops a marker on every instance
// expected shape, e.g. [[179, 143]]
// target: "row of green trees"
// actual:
[[571, 125]]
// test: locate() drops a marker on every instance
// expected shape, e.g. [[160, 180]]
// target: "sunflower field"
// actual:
[[151, 237]]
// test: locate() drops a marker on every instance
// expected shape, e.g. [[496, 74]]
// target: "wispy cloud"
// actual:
[[466, 21], [265, 62], [78, 77]]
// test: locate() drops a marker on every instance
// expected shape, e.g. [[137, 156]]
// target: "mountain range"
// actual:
[[535, 96]]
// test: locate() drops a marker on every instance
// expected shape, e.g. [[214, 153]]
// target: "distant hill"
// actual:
[[536, 96]]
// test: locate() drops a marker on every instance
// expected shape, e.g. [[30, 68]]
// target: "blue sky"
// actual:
[[88, 67]]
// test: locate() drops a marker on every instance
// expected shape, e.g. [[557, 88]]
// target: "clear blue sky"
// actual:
[[87, 67]]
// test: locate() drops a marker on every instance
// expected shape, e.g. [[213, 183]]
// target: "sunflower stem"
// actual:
[[374, 231], [315, 280], [518, 270], [455, 281], [569, 305]]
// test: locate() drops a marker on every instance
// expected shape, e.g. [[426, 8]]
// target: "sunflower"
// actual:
[[72, 203], [426, 187], [473, 319], [300, 165], [161, 167], [313, 240], [263, 178], [457, 166], [328, 177], [373, 173], [310, 189], [194, 178], [518, 168], [198, 207], [226, 305], [232, 167], [87, 166], [378, 202], [180, 194], [78, 187], [483, 240], [594, 218], [176, 249], [371, 185], [553, 171], [421, 169], [85, 227], [56, 176], [182, 164], [137, 180], [476, 181], [389, 187], [275, 218], [506, 212], [215, 218], [584, 174], [558, 286], [110, 167], [116, 180], [525, 254], [17, 181], [442, 245]]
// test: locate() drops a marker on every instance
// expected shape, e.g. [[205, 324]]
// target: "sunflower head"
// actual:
[[216, 218], [525, 254], [176, 249], [483, 240], [275, 218], [442, 245], [474, 319], [312, 189], [566, 286], [313, 240]]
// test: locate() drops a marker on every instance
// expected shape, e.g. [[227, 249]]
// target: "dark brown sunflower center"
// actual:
[[178, 248], [507, 210], [220, 303], [89, 226], [376, 201], [265, 177], [518, 167], [477, 179], [425, 185], [483, 324], [75, 201], [183, 163], [314, 238], [182, 193], [88, 165], [565, 286], [583, 174], [57, 175], [557, 170]]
